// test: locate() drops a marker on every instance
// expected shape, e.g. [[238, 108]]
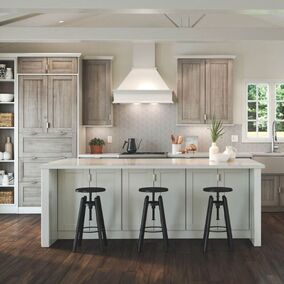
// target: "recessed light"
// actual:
[[61, 22]]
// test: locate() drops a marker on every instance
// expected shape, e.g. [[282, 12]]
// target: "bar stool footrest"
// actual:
[[218, 231], [153, 229], [90, 227]]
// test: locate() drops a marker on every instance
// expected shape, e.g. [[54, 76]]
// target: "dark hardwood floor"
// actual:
[[22, 260]]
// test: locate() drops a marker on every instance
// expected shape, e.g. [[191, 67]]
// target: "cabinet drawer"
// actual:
[[30, 193], [43, 147], [62, 65], [32, 65], [30, 168]]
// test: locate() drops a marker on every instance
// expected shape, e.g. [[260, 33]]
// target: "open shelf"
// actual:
[[7, 161], [7, 186], [7, 103], [7, 80], [7, 127]]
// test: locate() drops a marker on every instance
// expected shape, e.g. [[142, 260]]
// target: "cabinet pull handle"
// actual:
[[279, 190], [47, 125], [205, 117], [34, 182], [46, 68], [218, 177], [34, 158], [33, 133]]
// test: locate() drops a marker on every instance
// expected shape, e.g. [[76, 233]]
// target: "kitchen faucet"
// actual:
[[274, 144]]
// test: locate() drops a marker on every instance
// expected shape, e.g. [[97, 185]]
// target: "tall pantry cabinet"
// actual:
[[47, 118]]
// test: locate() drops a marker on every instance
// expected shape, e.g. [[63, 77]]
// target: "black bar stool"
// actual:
[[153, 203], [81, 217], [218, 203]]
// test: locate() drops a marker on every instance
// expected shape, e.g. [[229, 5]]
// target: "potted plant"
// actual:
[[217, 131], [96, 145]]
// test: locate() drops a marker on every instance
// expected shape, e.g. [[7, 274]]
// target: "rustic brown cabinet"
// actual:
[[51, 65], [204, 90], [97, 96], [272, 192], [47, 120]]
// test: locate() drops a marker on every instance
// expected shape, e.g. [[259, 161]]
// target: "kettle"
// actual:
[[131, 145]]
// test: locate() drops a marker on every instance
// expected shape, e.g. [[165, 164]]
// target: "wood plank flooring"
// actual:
[[22, 260]]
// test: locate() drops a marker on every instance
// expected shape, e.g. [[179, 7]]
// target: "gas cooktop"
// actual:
[[143, 155]]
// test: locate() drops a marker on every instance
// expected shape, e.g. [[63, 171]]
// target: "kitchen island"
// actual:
[[185, 202]]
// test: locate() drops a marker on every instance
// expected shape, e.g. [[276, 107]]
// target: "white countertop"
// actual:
[[151, 164]]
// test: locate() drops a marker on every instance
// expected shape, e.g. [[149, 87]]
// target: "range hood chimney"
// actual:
[[143, 84]]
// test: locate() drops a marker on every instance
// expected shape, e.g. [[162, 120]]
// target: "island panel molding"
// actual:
[[185, 202]]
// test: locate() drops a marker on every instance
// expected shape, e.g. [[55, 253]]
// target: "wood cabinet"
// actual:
[[61, 102], [33, 103], [51, 65], [69, 180], [204, 90], [191, 90], [47, 119], [272, 192], [47, 104], [97, 92]]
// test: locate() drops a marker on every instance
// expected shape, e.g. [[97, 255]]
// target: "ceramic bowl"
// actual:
[[221, 157], [6, 97]]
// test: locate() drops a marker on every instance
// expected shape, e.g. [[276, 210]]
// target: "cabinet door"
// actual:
[[219, 89], [32, 65], [111, 198], [68, 199], [270, 190], [197, 199], [238, 199], [30, 193], [191, 91], [97, 97], [174, 200], [62, 92], [62, 65], [133, 200], [32, 104]]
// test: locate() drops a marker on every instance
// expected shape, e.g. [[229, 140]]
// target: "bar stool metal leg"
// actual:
[[99, 223], [163, 221], [207, 223], [143, 223], [227, 220], [80, 224], [102, 221]]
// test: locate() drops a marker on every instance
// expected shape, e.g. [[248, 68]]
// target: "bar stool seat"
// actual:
[[217, 189], [153, 203], [90, 189], [152, 189], [218, 203], [90, 204]]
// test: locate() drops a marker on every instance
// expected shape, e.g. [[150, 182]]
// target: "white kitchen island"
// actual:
[[185, 202]]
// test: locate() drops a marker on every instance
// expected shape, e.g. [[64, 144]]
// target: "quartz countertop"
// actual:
[[170, 163]]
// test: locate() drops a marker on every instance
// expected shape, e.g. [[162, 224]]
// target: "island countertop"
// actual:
[[151, 164]]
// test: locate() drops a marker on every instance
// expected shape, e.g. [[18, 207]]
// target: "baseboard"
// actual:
[[29, 210]]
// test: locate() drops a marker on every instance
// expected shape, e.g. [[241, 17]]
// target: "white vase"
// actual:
[[9, 74], [5, 180], [214, 149]]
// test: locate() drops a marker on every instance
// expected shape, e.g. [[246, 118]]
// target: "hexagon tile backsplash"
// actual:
[[155, 124]]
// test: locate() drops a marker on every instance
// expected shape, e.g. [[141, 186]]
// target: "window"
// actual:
[[257, 110], [279, 109], [265, 104]]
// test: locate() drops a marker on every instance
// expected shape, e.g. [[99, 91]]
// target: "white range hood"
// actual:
[[143, 84]]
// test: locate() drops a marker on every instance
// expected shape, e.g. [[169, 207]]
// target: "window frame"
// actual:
[[271, 110]]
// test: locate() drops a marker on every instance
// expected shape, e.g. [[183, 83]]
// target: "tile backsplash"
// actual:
[[155, 124]]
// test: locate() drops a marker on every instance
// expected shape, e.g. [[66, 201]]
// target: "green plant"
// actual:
[[216, 129], [97, 142]]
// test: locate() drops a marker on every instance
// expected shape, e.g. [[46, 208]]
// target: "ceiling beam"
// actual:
[[16, 17], [15, 34], [164, 6]]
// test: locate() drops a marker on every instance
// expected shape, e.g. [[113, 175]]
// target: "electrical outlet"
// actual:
[[234, 138], [109, 139]]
